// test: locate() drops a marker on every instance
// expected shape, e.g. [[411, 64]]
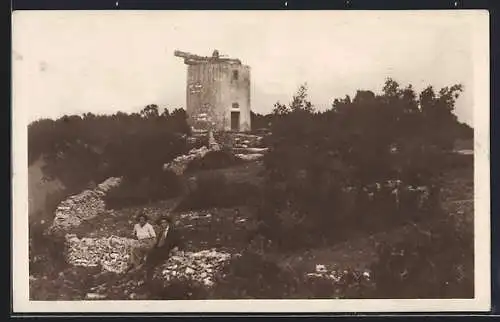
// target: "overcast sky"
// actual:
[[104, 62]]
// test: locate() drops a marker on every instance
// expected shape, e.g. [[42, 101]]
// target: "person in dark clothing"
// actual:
[[166, 240]]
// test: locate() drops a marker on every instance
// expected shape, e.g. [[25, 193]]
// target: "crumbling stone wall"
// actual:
[[83, 206], [179, 164], [111, 253]]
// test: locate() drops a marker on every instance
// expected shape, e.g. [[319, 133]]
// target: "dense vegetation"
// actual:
[[316, 158], [319, 173], [80, 150]]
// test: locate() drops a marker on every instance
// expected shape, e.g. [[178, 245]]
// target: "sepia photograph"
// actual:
[[301, 161]]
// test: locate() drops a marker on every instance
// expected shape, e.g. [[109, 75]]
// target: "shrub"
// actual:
[[132, 192], [326, 214], [315, 157], [214, 160], [437, 264], [251, 276], [46, 253], [93, 147], [213, 190]]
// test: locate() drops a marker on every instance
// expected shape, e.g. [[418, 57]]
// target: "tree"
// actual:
[[280, 109], [359, 142], [150, 111], [437, 110], [90, 148], [300, 101], [260, 121]]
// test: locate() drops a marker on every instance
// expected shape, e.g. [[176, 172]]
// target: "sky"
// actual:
[[108, 61]]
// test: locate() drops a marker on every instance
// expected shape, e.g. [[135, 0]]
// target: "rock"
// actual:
[[198, 266]]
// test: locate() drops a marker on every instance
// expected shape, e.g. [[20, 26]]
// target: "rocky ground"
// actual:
[[211, 237], [98, 245], [98, 242]]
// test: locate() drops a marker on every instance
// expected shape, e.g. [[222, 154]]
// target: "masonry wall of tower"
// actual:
[[216, 93], [235, 96]]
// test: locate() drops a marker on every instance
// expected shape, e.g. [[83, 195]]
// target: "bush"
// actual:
[[327, 214], [214, 160], [130, 192], [250, 276], [315, 157], [438, 264], [46, 253], [213, 190]]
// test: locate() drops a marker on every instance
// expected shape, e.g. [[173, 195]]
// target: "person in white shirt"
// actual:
[[146, 235]]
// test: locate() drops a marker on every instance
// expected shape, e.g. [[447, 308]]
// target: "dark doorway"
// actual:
[[235, 121]]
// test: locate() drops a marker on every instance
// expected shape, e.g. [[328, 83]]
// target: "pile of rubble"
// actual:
[[242, 140], [336, 275], [83, 206], [179, 164], [200, 267], [111, 253]]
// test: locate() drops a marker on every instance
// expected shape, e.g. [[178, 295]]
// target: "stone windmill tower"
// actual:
[[218, 93]]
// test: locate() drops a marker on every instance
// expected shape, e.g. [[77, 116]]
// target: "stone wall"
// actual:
[[179, 164], [83, 206], [111, 253]]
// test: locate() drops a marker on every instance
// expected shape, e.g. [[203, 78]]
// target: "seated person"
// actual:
[[167, 240], [146, 235]]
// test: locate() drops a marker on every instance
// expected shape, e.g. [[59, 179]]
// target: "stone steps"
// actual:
[[244, 145]]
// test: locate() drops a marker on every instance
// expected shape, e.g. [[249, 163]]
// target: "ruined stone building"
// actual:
[[218, 92]]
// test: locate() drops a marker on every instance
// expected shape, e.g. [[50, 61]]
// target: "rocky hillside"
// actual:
[[99, 239]]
